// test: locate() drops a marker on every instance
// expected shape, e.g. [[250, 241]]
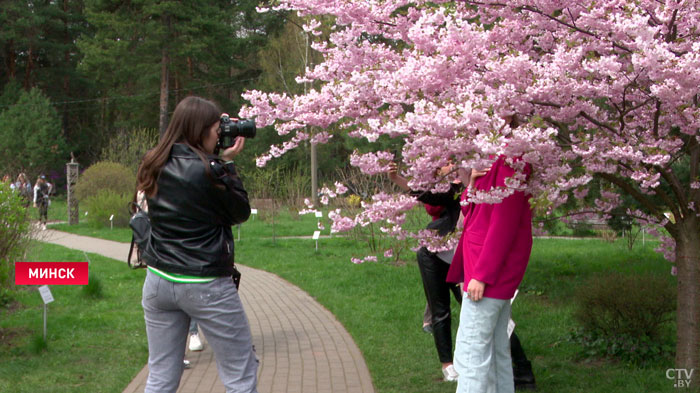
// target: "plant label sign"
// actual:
[[45, 293]]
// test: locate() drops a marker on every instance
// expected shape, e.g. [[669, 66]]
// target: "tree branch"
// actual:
[[564, 136], [677, 189], [597, 122], [633, 192], [659, 191], [657, 115], [672, 28], [577, 213], [694, 153], [573, 27]]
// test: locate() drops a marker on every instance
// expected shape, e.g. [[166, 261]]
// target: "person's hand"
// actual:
[[393, 171], [475, 289], [397, 179], [475, 175], [233, 151], [463, 175], [35, 205]]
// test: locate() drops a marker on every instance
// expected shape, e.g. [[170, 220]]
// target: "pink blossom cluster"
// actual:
[[327, 194], [369, 258], [604, 89]]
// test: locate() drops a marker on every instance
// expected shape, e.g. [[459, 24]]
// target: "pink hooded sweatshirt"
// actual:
[[497, 238]]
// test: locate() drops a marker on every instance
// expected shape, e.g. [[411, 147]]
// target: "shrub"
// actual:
[[15, 233], [106, 203], [129, 147], [640, 351], [290, 186], [616, 304], [607, 235], [105, 176], [623, 315]]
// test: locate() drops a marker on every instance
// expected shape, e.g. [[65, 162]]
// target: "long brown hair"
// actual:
[[192, 119]]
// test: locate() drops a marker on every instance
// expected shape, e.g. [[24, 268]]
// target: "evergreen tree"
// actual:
[[37, 49], [30, 138], [148, 55]]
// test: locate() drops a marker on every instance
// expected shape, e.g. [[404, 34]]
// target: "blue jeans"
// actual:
[[217, 309], [482, 350]]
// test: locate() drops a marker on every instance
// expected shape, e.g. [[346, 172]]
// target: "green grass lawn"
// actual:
[[381, 305], [284, 223], [93, 345]]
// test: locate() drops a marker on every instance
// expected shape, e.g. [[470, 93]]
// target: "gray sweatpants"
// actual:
[[217, 308]]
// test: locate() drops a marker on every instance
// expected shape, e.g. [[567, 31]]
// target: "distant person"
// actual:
[[7, 180], [194, 197], [42, 191], [24, 188]]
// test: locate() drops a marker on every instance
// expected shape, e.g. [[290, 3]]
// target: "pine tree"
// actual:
[[150, 52], [29, 140]]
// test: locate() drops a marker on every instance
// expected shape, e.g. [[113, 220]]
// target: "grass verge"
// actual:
[[98, 345], [94, 344]]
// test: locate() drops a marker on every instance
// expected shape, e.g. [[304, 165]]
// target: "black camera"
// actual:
[[230, 129]]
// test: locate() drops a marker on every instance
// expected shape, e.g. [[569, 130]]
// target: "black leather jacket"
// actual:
[[192, 214], [447, 221]]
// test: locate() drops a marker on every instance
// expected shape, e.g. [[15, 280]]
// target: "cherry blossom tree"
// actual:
[[605, 90]]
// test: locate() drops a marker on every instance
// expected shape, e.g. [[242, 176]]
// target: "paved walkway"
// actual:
[[301, 346]]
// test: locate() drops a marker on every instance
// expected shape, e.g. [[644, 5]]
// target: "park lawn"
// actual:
[[380, 304], [285, 222], [93, 344]]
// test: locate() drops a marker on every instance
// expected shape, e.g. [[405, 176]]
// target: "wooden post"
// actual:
[[72, 179]]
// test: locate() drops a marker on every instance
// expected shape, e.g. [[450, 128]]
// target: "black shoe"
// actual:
[[523, 377]]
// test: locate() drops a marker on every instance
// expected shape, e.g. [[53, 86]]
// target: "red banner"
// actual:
[[51, 273]]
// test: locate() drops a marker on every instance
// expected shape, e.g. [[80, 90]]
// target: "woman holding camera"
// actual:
[[193, 199]]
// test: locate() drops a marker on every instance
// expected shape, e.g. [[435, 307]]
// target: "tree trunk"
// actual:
[[164, 82], [29, 70], [314, 175], [66, 60], [688, 311], [11, 59]]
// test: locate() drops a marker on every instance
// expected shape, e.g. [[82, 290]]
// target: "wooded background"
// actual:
[[79, 76]]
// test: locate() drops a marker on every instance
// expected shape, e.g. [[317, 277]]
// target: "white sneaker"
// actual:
[[43, 227], [449, 374], [195, 343], [186, 363]]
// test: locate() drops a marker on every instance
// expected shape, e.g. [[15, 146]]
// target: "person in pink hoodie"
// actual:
[[490, 260]]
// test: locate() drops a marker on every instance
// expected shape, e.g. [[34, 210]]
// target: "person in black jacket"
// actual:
[[193, 199], [445, 209]]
